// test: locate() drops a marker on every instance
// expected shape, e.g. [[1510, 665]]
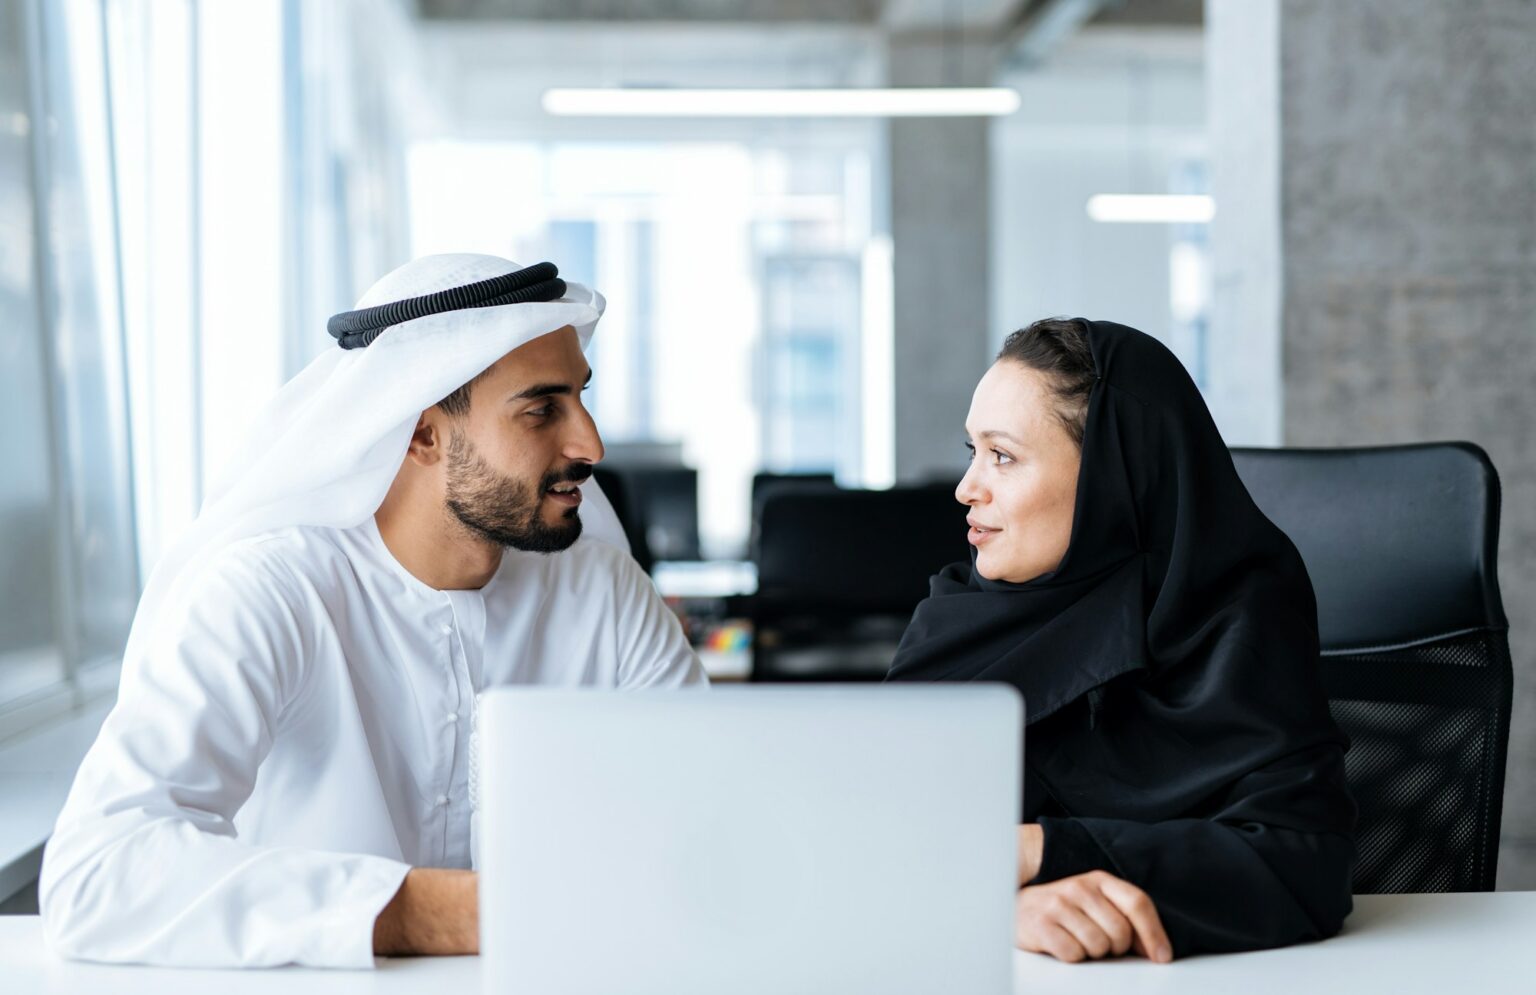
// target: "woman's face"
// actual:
[[1022, 483]]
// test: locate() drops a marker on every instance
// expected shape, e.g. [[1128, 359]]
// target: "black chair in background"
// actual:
[[612, 483], [1401, 543], [663, 503], [839, 573], [765, 484]]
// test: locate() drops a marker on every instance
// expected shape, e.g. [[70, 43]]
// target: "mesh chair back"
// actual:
[[839, 574], [1401, 544]]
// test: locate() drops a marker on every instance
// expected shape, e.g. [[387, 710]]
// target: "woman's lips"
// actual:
[[976, 536]]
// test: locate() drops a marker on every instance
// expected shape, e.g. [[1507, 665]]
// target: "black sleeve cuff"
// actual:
[[1069, 849]]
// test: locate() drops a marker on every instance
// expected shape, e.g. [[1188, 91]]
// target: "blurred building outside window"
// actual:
[[68, 558], [734, 275], [189, 188]]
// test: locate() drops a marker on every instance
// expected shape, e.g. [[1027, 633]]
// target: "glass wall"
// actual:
[[187, 189], [1112, 112], [258, 150], [734, 277], [68, 559]]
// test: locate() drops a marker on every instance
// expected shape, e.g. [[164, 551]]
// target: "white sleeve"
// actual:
[[144, 865], [653, 651]]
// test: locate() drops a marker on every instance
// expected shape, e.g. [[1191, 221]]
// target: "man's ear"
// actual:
[[429, 440]]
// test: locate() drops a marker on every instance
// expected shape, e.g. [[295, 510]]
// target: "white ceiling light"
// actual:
[[845, 102], [1152, 208]]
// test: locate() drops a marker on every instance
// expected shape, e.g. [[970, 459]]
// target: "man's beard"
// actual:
[[506, 511]]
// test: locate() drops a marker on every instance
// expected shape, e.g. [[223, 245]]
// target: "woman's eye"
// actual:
[[1001, 458], [970, 451]]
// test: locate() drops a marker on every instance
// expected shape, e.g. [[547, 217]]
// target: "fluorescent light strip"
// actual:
[[896, 102], [1152, 208]]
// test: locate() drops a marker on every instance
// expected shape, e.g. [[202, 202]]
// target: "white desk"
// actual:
[[36, 770], [704, 578], [1393, 943]]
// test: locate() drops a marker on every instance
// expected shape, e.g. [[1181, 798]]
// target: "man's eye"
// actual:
[[540, 412]]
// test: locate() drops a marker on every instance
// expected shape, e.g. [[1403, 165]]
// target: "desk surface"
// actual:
[[1397, 943], [704, 578]]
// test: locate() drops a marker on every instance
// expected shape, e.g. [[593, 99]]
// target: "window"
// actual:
[[734, 275], [66, 535]]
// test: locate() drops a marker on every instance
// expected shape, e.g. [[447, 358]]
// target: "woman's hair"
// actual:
[[1058, 347]]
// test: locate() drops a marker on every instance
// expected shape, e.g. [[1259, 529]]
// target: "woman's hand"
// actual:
[[1089, 916], [1031, 851]]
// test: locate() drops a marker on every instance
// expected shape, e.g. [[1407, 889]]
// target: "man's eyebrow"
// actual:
[[546, 389]]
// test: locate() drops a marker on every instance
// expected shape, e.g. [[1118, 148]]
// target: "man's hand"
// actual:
[[1089, 916], [435, 912]]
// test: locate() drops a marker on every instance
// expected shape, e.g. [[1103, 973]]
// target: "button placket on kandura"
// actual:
[[448, 744], [456, 834]]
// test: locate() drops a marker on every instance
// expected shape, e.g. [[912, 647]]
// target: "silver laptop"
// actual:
[[749, 840]]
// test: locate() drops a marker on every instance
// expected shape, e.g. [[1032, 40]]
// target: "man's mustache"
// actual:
[[576, 473]]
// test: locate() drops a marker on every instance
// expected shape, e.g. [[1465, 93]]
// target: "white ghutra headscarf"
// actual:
[[325, 449]]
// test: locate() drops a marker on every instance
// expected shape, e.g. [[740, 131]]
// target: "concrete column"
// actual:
[[1242, 62], [940, 235], [1405, 265]]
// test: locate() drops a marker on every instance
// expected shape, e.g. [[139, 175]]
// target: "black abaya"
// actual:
[[1177, 734]]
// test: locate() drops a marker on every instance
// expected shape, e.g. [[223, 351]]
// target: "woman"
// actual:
[[1184, 784]]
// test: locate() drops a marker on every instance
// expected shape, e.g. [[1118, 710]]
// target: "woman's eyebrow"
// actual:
[[994, 433]]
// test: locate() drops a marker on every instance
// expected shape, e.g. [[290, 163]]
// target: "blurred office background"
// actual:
[[1331, 219]]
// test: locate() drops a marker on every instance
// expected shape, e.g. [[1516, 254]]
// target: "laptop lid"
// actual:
[[749, 840]]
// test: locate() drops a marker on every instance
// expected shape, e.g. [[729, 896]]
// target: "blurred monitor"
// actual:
[[617, 492], [766, 485], [664, 503]]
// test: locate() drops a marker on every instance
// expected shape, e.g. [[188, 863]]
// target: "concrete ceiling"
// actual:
[[1153, 14], [707, 11], [515, 49], [969, 16]]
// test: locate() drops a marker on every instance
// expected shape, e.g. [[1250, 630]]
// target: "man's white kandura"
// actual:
[[292, 730]]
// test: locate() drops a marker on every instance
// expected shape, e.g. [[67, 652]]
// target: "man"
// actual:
[[284, 778]]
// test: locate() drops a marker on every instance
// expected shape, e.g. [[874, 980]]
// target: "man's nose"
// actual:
[[584, 443]]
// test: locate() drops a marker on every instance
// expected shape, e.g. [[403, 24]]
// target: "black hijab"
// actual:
[[1180, 627]]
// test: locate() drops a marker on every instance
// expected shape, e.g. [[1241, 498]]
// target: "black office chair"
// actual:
[[765, 484], [839, 573], [1401, 543], [630, 514], [664, 502]]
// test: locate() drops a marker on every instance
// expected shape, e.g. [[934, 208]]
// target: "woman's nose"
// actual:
[[968, 492]]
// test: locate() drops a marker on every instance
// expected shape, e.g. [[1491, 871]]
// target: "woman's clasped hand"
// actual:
[[1089, 916]]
